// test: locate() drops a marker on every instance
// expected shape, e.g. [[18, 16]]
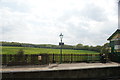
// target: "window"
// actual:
[[117, 42], [117, 46]]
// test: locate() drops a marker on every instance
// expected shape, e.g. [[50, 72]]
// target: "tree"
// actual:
[[79, 46], [86, 47], [105, 48], [98, 48], [105, 51]]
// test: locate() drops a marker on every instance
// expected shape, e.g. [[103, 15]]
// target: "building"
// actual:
[[115, 41], [115, 46]]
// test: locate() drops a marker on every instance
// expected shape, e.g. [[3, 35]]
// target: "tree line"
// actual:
[[102, 49]]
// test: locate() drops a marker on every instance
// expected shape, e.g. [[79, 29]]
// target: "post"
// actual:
[[4, 57], [61, 52], [71, 58], [53, 58], [61, 36]]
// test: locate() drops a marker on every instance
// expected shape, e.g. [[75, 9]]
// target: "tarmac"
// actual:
[[53, 67]]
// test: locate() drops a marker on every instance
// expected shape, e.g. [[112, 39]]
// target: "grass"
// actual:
[[29, 50]]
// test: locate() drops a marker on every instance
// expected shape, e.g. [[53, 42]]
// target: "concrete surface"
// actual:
[[54, 67]]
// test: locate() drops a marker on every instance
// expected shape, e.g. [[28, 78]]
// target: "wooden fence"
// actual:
[[42, 59], [115, 57]]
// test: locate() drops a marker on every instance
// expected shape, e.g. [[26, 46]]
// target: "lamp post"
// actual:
[[61, 37]]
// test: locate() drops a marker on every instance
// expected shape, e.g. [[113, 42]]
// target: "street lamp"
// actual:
[[61, 37]]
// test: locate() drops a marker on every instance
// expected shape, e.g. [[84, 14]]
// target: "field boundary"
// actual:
[[45, 59]]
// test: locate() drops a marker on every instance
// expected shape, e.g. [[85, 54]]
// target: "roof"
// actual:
[[116, 32]]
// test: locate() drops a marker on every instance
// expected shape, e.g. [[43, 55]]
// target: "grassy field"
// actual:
[[29, 50]]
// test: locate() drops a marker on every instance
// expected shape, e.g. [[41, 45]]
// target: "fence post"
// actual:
[[71, 58], [87, 57], [46, 56], [10, 58], [4, 61], [25, 57], [15, 59], [48, 59], [63, 58], [53, 58], [31, 61]]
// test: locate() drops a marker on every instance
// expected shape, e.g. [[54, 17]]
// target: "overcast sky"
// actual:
[[89, 22]]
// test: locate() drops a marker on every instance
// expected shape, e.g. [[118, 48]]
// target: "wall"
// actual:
[[79, 73]]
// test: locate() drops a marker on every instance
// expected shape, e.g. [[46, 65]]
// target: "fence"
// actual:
[[115, 57], [33, 59], [73, 58], [42, 59]]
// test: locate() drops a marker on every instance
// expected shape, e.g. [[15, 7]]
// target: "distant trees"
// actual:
[[87, 47], [79, 46], [98, 48], [105, 48], [11, 44]]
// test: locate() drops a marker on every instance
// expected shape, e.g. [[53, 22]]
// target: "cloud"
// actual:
[[38, 21]]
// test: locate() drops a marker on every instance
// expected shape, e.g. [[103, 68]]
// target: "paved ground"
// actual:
[[52, 67]]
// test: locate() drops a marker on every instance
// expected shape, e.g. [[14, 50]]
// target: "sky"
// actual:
[[88, 22]]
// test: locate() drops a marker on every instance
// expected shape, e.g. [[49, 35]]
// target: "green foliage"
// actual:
[[79, 46], [105, 49], [87, 47]]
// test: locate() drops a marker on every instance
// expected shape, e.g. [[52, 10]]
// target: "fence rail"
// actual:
[[70, 58], [42, 59]]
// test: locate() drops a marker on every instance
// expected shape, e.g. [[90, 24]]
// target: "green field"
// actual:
[[30, 50]]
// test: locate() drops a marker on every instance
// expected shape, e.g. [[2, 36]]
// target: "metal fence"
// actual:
[[74, 58], [43, 59], [34, 59]]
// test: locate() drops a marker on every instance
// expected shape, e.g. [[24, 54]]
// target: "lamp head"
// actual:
[[61, 35]]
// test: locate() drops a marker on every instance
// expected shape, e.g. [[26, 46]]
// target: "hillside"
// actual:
[[31, 50], [51, 46]]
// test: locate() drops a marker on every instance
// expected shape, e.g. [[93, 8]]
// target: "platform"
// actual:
[[52, 67]]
